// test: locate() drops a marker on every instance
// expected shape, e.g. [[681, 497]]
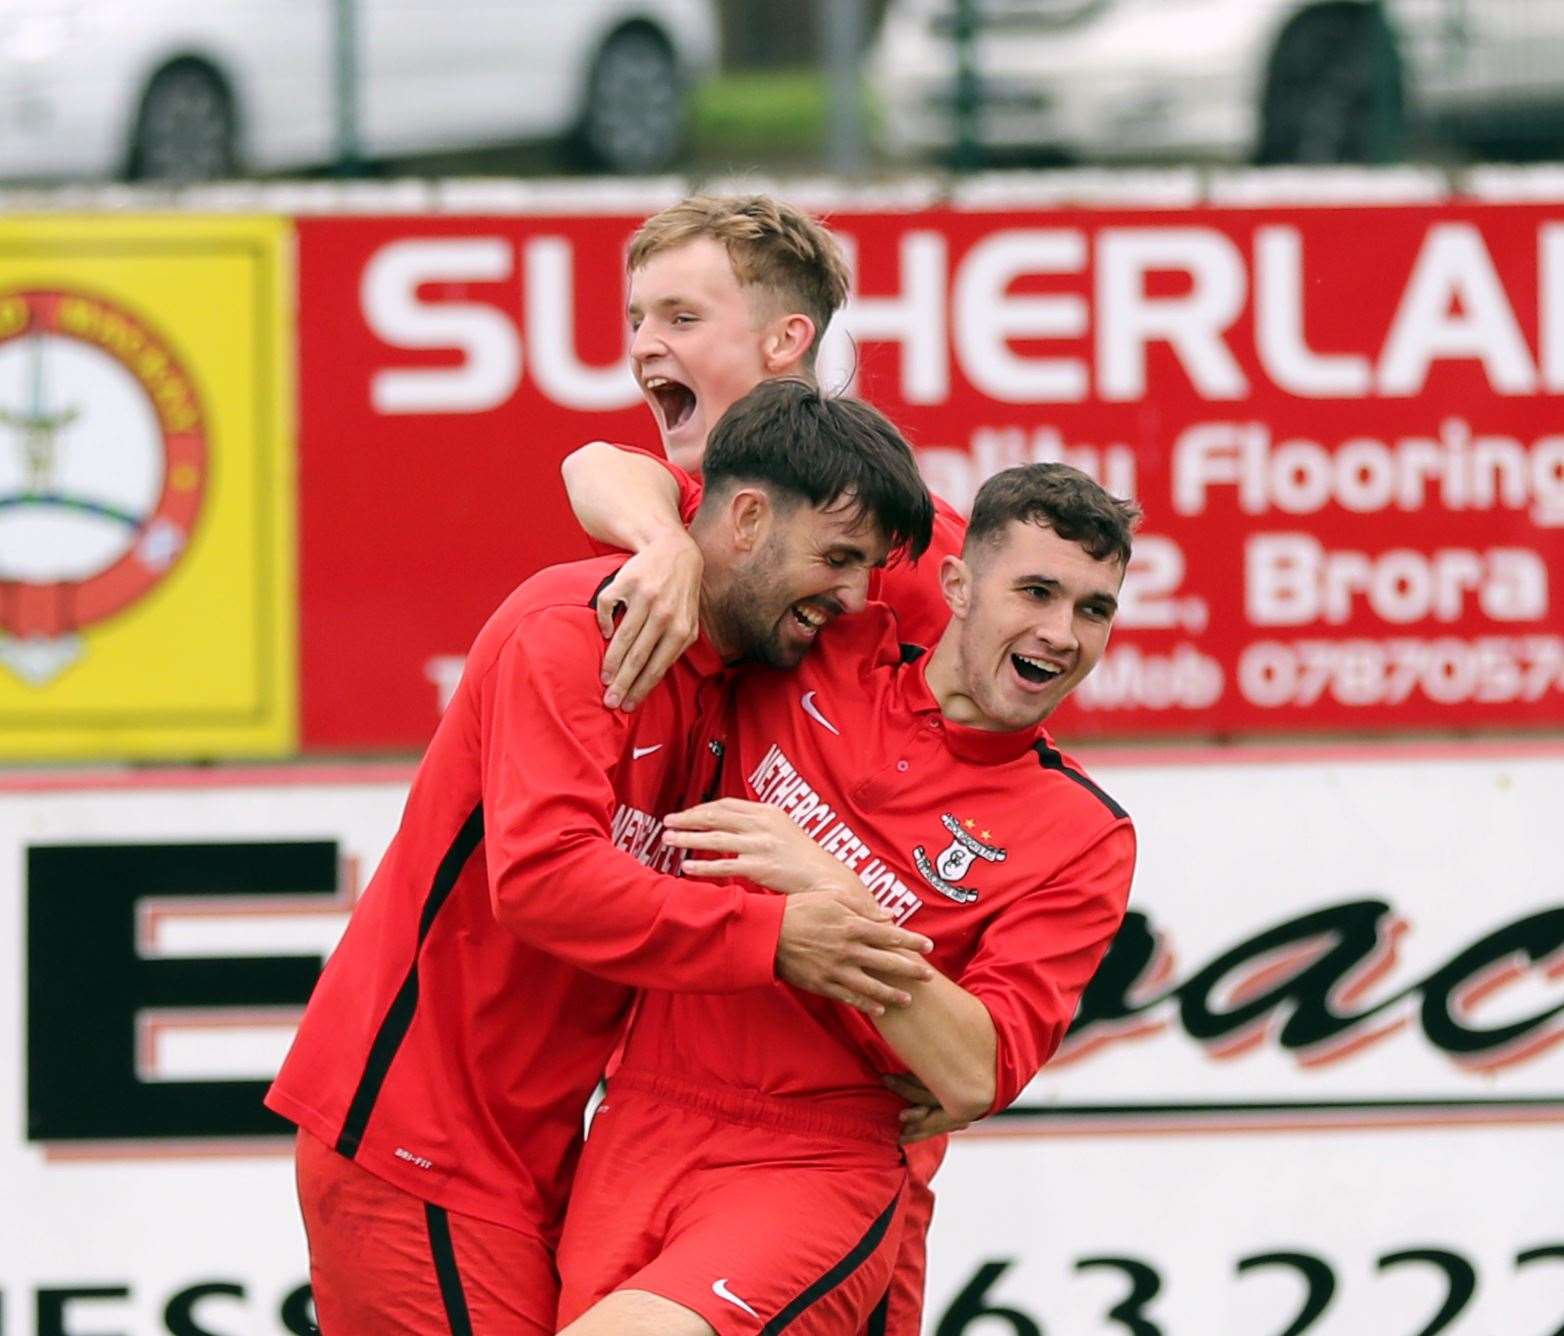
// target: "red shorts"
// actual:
[[753, 1213], [901, 1311], [384, 1263]]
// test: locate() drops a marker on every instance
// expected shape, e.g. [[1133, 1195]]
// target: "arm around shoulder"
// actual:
[[631, 500], [624, 498]]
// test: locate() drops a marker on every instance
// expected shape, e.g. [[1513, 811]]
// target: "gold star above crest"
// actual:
[[987, 836], [969, 823]]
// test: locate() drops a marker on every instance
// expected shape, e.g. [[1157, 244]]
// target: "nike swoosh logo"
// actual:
[[813, 712], [721, 1290], [636, 753]]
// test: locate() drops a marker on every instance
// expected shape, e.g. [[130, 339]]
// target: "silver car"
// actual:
[[1223, 80], [197, 89]]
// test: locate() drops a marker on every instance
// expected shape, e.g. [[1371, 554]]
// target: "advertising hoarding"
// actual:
[[1207, 1163], [1345, 424], [147, 598]]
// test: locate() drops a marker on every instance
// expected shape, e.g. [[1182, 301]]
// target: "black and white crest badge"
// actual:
[[969, 844]]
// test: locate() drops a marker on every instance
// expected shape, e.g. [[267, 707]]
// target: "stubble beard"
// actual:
[[743, 627]]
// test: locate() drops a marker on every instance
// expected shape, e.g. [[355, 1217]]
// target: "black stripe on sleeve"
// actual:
[[1052, 760], [399, 1016], [445, 1271], [860, 1253], [879, 1317]]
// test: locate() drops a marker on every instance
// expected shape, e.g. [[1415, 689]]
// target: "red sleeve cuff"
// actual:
[[755, 938], [1016, 1062]]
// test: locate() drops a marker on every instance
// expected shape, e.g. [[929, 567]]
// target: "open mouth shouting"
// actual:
[[1035, 672], [673, 401]]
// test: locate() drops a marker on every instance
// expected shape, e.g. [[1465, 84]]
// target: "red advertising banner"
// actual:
[[1346, 427]]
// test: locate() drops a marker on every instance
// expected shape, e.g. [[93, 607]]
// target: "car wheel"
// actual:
[[633, 119], [185, 131], [1333, 93]]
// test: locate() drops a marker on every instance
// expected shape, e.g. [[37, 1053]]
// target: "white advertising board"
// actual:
[[145, 934], [1316, 1087]]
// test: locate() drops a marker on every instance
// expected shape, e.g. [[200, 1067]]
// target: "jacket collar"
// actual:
[[986, 746]]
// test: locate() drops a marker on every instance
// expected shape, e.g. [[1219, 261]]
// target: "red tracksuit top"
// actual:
[[995, 845], [456, 1033]]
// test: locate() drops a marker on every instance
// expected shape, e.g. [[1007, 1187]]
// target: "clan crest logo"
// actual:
[[956, 861], [102, 480]]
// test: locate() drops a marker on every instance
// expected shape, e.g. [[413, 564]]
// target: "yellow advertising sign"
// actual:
[[147, 590]]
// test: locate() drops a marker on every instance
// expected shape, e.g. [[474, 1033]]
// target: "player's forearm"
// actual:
[[622, 499], [586, 902], [947, 1038], [555, 827]]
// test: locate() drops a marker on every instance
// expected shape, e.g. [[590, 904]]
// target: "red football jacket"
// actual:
[[995, 845], [484, 978]]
